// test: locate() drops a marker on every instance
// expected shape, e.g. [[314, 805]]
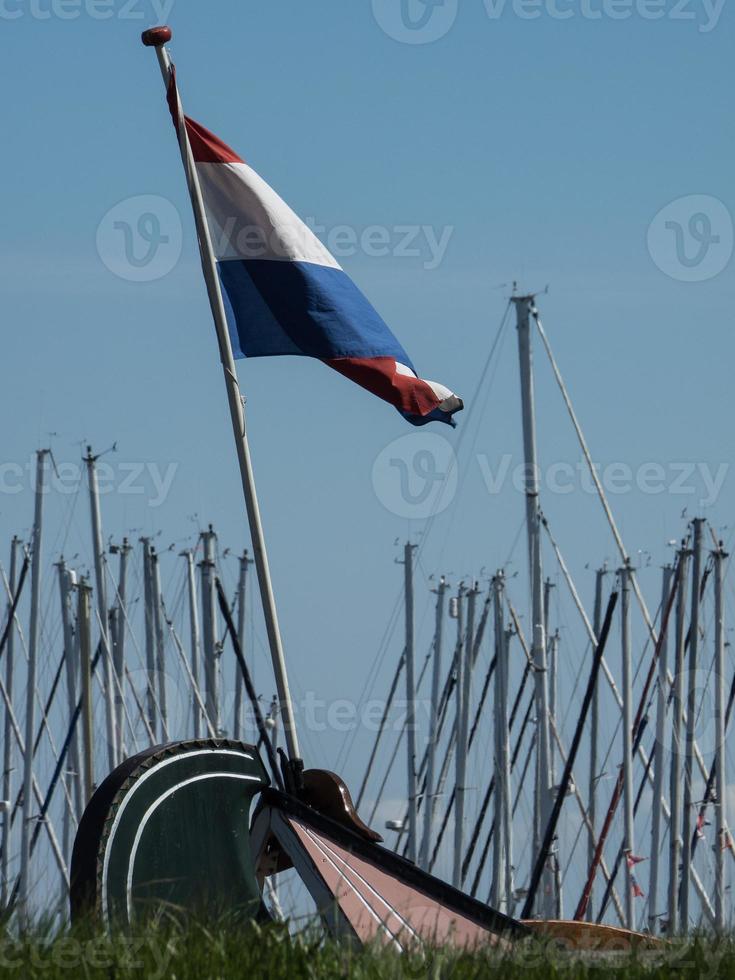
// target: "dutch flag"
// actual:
[[285, 293]]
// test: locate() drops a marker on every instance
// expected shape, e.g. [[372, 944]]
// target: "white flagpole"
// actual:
[[157, 38]]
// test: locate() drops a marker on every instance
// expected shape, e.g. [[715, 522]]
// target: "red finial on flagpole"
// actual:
[[156, 37]]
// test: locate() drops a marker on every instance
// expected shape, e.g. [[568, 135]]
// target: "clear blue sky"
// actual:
[[545, 146]]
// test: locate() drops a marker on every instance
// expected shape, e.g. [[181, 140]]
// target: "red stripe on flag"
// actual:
[[208, 148], [378, 375], [205, 146]]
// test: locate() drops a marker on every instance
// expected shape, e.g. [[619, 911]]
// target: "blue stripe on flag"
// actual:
[[278, 307]]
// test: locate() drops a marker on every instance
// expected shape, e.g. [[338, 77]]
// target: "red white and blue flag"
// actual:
[[285, 293]]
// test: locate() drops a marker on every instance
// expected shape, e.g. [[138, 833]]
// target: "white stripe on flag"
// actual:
[[248, 220]]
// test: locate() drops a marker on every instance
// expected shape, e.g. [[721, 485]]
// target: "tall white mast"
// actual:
[[507, 821], [722, 844], [464, 678], [8, 752], [84, 628], [689, 798], [66, 580], [160, 644], [677, 714], [118, 645], [456, 609], [30, 719], [594, 738], [410, 701], [628, 794], [500, 731], [157, 38], [241, 624], [100, 572], [544, 792], [429, 795], [658, 758], [150, 637], [195, 641], [209, 629]]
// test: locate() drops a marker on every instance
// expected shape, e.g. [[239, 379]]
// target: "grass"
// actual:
[[200, 952]]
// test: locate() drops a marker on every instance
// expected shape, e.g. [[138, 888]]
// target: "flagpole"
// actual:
[[157, 37]]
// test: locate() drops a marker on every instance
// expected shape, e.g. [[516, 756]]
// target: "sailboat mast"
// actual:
[[687, 830], [676, 754], [658, 761], [628, 800], [194, 640], [464, 679], [543, 800], [100, 573], [241, 624], [507, 814], [85, 674], [118, 644], [70, 665], [8, 750], [209, 628], [722, 843], [594, 738], [410, 700], [429, 803], [150, 639], [500, 733], [36, 568], [160, 644], [459, 669]]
